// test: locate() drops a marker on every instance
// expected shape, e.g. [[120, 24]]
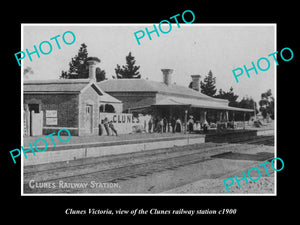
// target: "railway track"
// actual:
[[117, 168]]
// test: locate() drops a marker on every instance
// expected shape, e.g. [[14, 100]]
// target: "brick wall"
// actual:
[[66, 106]]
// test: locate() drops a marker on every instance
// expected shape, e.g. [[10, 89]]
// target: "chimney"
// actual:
[[196, 82], [92, 62], [167, 76]]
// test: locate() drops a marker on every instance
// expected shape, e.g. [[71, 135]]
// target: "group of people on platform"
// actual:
[[173, 124], [163, 125], [156, 124], [108, 127]]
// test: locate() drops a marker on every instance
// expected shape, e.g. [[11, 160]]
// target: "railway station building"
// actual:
[[80, 105], [166, 99], [75, 104]]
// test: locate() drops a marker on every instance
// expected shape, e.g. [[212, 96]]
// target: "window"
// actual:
[[101, 108], [87, 109], [107, 108]]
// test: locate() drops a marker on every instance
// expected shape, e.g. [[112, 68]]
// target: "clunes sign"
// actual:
[[120, 117], [125, 123]]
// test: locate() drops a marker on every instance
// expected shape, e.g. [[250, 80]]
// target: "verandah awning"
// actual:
[[198, 103]]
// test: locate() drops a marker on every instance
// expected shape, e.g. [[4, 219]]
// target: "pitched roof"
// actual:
[[55, 86], [108, 98], [173, 94], [71, 86], [141, 85]]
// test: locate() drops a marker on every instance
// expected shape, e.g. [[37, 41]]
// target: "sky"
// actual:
[[188, 50]]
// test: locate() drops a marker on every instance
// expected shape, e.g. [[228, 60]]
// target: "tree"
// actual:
[[246, 103], [229, 95], [100, 74], [27, 71], [208, 86], [129, 70], [267, 104], [78, 67]]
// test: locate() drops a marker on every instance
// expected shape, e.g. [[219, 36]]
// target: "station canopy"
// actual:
[[197, 103]]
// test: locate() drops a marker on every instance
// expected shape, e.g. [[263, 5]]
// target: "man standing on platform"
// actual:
[[105, 124], [191, 124], [173, 123], [111, 126]]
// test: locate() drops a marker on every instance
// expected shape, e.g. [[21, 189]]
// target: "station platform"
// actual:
[[97, 146]]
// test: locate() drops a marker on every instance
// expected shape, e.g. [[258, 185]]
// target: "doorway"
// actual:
[[34, 107], [89, 118], [35, 120]]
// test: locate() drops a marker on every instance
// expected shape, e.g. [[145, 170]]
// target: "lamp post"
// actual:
[[185, 121], [185, 131]]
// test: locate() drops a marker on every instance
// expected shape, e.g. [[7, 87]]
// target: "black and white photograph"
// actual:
[[149, 109]]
